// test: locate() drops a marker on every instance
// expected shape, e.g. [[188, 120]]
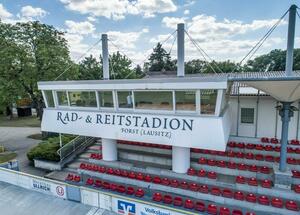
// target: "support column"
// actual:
[[109, 149], [181, 156], [286, 113], [180, 159], [105, 57]]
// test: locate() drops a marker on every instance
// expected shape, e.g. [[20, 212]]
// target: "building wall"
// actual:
[[267, 122]]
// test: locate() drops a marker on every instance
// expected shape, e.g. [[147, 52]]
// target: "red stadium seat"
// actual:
[[212, 175], [221, 163], [240, 145], [263, 200], [253, 168], [102, 169], [266, 183], [259, 157], [250, 213], [178, 201], [237, 212], [203, 189], [132, 175], [202, 161], [250, 146], [224, 211], [201, 173], [277, 148], [264, 140], [148, 178], [89, 181], [200, 206], [189, 204], [231, 165], [259, 147], [296, 174], [76, 178], [212, 209], [140, 176], [184, 185], [139, 193], [269, 158], [174, 183], [113, 187], [295, 142], [227, 193], [82, 166], [130, 191], [117, 172], [70, 177], [240, 179], [110, 171], [264, 170], [157, 197], [242, 166], [194, 187], [231, 154], [251, 198], [231, 144], [274, 140], [98, 183], [297, 188], [167, 199], [252, 182], [239, 155], [249, 156], [238, 195], [269, 148], [106, 185], [191, 171], [156, 180], [211, 162], [291, 205], [165, 181], [215, 191], [121, 189], [276, 202], [292, 161]]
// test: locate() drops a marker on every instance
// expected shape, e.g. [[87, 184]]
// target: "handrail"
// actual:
[[72, 146]]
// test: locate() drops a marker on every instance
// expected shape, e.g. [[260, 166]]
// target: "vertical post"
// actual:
[[290, 40], [60, 144], [105, 57], [285, 114], [180, 50]]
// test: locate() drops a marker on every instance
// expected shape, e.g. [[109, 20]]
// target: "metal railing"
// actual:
[[77, 143]]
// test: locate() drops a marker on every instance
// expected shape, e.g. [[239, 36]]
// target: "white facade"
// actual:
[[267, 122]]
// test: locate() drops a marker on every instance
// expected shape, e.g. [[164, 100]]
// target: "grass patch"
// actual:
[[38, 136], [29, 121], [7, 156]]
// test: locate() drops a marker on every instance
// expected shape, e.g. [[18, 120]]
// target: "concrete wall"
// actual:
[[268, 123]]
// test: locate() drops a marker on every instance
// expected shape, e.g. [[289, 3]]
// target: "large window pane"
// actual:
[[49, 98], [106, 99], [125, 99], [208, 101], [83, 98], [185, 100], [247, 115], [153, 100], [62, 98]]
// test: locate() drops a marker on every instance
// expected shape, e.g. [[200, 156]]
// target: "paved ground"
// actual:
[[19, 201], [15, 139]]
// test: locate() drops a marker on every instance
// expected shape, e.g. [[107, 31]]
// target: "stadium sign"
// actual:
[[176, 130], [48, 188]]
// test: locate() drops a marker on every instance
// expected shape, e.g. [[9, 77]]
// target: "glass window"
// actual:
[[49, 98], [83, 98], [247, 115], [125, 99], [153, 100], [62, 98], [185, 100], [208, 101], [106, 99]]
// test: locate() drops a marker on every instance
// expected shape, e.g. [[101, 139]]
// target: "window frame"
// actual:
[[247, 123], [117, 100], [81, 107], [113, 100], [46, 99], [187, 111], [216, 105]]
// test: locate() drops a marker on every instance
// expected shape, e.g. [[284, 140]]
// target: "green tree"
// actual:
[[43, 56], [90, 69], [160, 60]]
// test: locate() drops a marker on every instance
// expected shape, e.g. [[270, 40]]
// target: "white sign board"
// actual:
[[126, 207], [184, 131], [50, 188]]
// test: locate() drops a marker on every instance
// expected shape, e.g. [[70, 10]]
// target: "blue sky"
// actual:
[[225, 29]]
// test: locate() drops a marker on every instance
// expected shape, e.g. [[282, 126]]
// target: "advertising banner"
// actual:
[[47, 187], [183, 131], [126, 207]]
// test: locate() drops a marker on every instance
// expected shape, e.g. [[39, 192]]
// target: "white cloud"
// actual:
[[31, 12], [118, 9], [4, 14], [186, 12], [91, 19], [171, 22], [79, 27]]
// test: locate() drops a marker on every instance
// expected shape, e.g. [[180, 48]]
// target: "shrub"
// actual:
[[46, 150]]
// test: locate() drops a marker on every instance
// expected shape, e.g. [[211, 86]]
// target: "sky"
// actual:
[[224, 29]]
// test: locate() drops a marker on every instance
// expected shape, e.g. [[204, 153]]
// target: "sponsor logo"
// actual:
[[60, 191], [126, 208], [40, 185], [154, 211]]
